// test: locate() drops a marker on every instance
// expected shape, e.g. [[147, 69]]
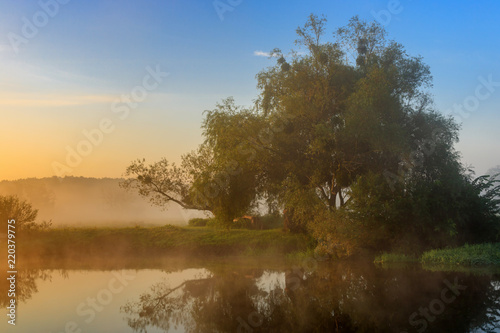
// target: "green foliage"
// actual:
[[161, 182], [199, 222], [467, 255], [302, 204], [451, 210], [394, 258], [486, 254], [220, 176], [341, 119], [271, 221], [241, 223], [372, 149], [301, 256]]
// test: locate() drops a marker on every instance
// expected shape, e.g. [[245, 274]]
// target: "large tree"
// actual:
[[344, 136], [347, 105], [363, 150], [348, 108]]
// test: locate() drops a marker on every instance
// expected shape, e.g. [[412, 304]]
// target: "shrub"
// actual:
[[467, 255], [11, 207], [242, 223], [199, 222], [271, 221], [394, 258]]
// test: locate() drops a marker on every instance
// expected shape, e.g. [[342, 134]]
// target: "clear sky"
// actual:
[[67, 67]]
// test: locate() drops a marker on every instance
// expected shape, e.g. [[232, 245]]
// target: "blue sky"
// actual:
[[65, 77]]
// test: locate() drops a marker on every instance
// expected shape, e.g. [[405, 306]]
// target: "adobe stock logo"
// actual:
[[420, 320], [225, 6], [471, 103], [384, 16], [31, 27], [92, 306]]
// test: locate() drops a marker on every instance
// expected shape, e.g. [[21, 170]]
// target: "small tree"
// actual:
[[11, 207]]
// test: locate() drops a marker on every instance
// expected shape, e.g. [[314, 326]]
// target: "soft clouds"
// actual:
[[261, 54], [5, 47]]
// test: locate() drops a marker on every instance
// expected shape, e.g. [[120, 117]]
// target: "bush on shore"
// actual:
[[486, 254], [199, 222]]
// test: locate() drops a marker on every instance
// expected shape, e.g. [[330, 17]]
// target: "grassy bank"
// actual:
[[487, 254], [468, 255], [138, 241], [394, 258]]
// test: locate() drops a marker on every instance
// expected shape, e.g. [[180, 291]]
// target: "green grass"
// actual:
[[486, 254], [394, 258], [467, 255], [131, 241]]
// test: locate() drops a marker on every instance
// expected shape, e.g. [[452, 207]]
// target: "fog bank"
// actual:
[[83, 201]]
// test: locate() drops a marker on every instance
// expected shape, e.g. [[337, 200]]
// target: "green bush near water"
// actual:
[[487, 254], [199, 222], [394, 258], [467, 255]]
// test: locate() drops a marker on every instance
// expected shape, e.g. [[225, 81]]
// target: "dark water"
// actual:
[[221, 297]]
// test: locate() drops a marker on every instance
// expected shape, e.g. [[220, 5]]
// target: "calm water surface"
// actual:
[[309, 297]]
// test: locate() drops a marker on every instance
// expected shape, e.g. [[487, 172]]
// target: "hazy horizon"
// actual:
[[81, 201]]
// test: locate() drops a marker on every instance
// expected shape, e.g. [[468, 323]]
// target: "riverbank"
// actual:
[[487, 254], [175, 240]]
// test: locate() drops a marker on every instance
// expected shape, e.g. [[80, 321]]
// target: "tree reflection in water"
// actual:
[[343, 297], [26, 284]]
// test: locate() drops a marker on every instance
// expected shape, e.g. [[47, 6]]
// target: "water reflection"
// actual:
[[26, 284], [206, 304], [225, 297], [345, 297]]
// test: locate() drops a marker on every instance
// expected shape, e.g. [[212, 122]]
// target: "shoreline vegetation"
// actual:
[[477, 255], [165, 243], [205, 242], [198, 242]]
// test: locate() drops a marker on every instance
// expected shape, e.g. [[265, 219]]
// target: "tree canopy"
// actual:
[[344, 136]]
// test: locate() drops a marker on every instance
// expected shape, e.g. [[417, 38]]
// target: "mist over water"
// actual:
[[79, 201]]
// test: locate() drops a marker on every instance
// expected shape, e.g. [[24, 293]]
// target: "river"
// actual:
[[241, 296]]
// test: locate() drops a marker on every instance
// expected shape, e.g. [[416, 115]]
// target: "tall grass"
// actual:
[[467, 255], [486, 254], [394, 258]]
